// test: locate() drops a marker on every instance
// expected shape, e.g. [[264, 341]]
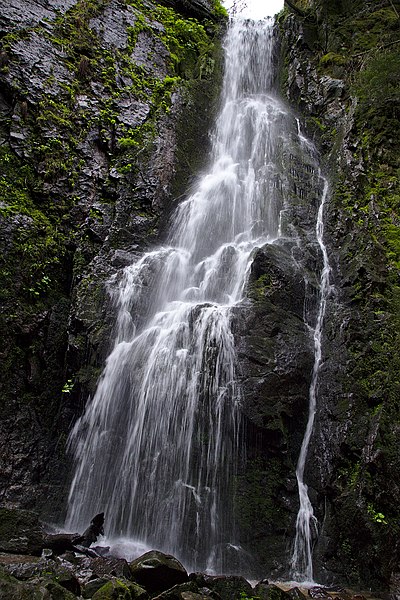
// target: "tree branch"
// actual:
[[295, 8]]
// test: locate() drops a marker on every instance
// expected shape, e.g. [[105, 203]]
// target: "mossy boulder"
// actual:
[[227, 587], [118, 589], [265, 591]]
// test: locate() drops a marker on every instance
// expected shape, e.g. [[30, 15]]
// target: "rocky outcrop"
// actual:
[[104, 115], [273, 328], [331, 73]]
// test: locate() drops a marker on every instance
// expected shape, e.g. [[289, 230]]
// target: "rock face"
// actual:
[[20, 532], [105, 108], [342, 89]]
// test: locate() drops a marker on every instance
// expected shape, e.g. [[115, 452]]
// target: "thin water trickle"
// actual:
[[157, 448], [306, 523]]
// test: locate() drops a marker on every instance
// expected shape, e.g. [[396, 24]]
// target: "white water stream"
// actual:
[[158, 446], [306, 524]]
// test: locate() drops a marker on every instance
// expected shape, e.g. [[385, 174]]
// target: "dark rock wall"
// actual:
[[341, 71], [276, 357], [105, 108]]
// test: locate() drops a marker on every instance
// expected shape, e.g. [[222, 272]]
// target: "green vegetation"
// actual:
[[37, 245], [244, 596]]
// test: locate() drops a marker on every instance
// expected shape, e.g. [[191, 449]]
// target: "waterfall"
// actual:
[[306, 522], [158, 446]]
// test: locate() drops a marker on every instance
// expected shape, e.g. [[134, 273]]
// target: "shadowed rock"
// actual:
[[90, 535], [158, 572]]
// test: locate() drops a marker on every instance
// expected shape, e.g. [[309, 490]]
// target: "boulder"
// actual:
[[12, 589], [158, 572], [296, 594], [93, 573], [120, 589], [93, 585], [228, 587], [111, 566], [187, 591], [318, 592], [55, 590], [60, 542], [53, 570], [266, 591]]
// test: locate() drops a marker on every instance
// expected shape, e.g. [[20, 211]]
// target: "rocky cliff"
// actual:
[[340, 73], [104, 111], [341, 69], [105, 108]]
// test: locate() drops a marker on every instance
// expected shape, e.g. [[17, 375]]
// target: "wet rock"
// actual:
[[200, 9], [270, 592], [60, 542], [20, 532], [95, 529], [228, 587], [38, 58], [182, 591], [55, 591], [395, 586], [103, 197], [39, 589], [55, 570], [120, 589], [318, 592], [103, 551], [188, 592], [112, 26], [118, 567], [150, 53], [24, 570], [92, 586], [27, 13], [296, 594], [158, 572]]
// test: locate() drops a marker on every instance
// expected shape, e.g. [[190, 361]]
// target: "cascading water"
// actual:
[[158, 446], [306, 522]]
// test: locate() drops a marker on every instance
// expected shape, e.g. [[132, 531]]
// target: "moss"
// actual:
[[37, 250], [260, 288], [331, 58], [121, 590], [257, 491]]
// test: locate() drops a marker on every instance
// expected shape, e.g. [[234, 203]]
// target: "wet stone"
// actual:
[[318, 592], [158, 572]]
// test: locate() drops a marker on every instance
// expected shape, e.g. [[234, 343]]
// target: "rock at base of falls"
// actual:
[[153, 575], [158, 572]]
